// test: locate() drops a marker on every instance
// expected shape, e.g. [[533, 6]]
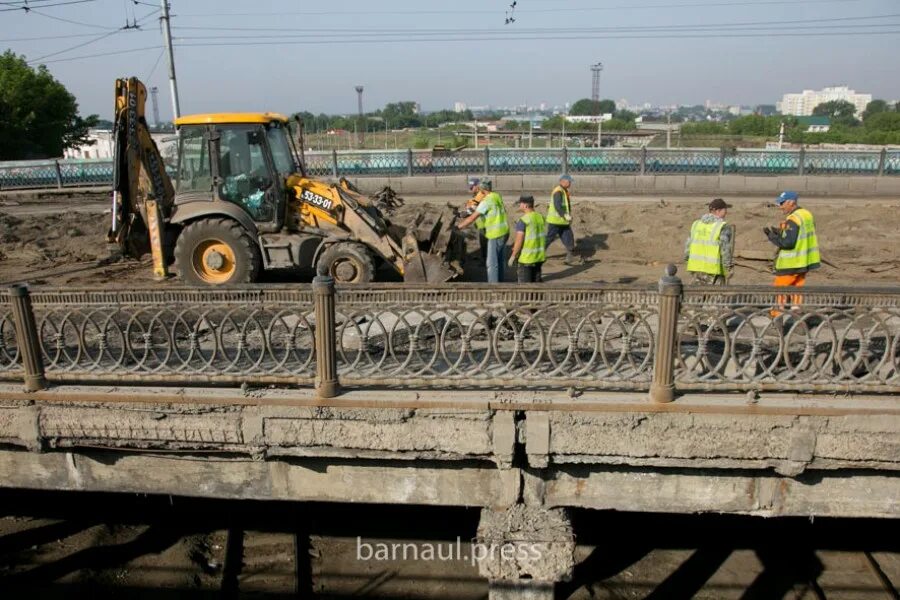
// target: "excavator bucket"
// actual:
[[433, 249]]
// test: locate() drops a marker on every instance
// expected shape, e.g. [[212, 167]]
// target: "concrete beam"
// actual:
[[313, 480], [677, 491]]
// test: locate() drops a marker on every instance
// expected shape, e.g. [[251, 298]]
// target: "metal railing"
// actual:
[[488, 161], [461, 336]]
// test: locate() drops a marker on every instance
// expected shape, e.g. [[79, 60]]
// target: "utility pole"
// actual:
[[476, 134], [361, 139], [530, 133], [781, 136], [167, 34], [600, 134], [668, 130], [154, 91]]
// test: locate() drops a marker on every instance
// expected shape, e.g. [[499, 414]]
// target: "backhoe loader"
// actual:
[[241, 203]]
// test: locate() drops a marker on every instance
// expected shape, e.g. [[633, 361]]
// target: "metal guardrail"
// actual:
[[461, 336], [613, 161]]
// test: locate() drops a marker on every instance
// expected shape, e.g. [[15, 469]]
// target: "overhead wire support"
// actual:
[[167, 34]]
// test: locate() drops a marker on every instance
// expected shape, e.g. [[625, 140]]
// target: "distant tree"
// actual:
[[402, 114], [840, 112], [587, 107], [625, 115], [883, 121], [874, 107], [38, 116]]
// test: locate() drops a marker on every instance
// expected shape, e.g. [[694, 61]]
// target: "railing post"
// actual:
[[334, 164], [662, 388], [565, 159], [58, 175], [882, 158], [801, 167], [643, 160], [722, 160], [409, 162], [327, 385], [487, 161], [27, 338]]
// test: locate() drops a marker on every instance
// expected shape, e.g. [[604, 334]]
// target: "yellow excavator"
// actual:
[[241, 203]]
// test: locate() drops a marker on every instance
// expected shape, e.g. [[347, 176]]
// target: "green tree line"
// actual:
[[880, 124]]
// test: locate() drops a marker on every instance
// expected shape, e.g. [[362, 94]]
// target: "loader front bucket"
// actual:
[[433, 249]]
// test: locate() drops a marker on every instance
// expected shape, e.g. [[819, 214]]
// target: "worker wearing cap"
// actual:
[[496, 230], [559, 220], [708, 250], [528, 246], [798, 246], [478, 195]]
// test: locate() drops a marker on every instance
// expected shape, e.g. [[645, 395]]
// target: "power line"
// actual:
[[102, 36], [106, 54], [36, 12], [518, 31], [26, 8], [507, 35], [540, 10], [399, 40]]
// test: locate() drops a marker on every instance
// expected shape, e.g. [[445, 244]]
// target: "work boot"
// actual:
[[573, 259]]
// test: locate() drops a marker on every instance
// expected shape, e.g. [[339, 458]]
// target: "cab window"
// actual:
[[193, 161], [244, 170]]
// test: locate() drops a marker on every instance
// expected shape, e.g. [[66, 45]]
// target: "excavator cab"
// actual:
[[241, 159]]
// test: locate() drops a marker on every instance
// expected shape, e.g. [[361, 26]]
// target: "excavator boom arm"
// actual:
[[143, 194]]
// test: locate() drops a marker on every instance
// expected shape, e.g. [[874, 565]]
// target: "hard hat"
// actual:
[[487, 184], [785, 196], [566, 177], [473, 181]]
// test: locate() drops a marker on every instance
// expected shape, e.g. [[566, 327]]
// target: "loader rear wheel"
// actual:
[[216, 252], [348, 262]]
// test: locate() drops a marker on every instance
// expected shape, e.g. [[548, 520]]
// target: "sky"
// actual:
[[293, 55]]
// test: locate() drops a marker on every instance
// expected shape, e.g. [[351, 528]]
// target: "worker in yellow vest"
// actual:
[[709, 249], [798, 246], [496, 230], [478, 195], [528, 245], [559, 220]]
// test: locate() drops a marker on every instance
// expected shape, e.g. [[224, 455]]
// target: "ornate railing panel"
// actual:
[[827, 162], [757, 338], [892, 162], [448, 162], [761, 162], [701, 161], [508, 336], [251, 335], [9, 350], [614, 161], [504, 160], [319, 164]]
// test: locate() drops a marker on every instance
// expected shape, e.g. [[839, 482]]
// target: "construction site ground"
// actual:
[[60, 241]]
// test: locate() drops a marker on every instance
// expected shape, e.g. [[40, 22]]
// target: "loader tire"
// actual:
[[348, 262], [216, 252]]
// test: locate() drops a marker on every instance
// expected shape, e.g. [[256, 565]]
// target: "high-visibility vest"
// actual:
[[554, 217], [479, 222], [704, 252], [805, 253], [535, 239], [495, 223]]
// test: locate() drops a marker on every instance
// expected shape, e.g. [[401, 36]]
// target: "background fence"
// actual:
[[613, 161], [460, 336]]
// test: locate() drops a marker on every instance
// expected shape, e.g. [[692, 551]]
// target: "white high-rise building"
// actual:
[[459, 107], [802, 104]]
